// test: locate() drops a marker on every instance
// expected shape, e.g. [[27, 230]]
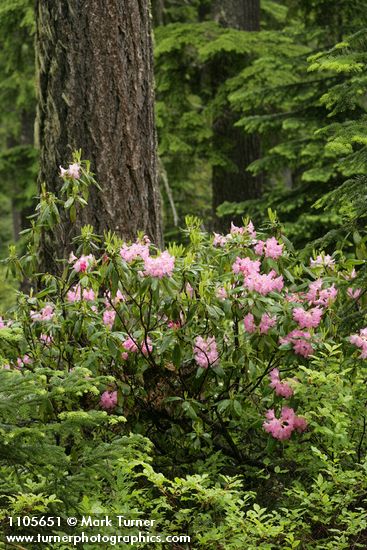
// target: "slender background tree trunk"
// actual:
[[95, 92], [233, 182]]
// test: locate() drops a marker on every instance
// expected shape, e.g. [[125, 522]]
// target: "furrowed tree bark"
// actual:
[[233, 183], [95, 93]]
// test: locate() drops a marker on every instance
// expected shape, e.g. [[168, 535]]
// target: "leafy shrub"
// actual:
[[217, 387]]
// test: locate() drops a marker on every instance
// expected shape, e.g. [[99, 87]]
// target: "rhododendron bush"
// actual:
[[234, 354]]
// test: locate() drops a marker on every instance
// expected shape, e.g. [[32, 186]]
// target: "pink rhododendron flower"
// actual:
[[360, 341], [249, 323], [109, 317], [83, 263], [313, 291], [307, 319], [108, 400], [205, 352], [221, 293], [124, 355], [246, 266], [22, 361], [88, 294], [130, 345], [146, 346], [116, 300], [266, 323], [259, 248], [283, 427], [45, 314], [119, 297], [72, 172], [300, 424], [160, 266], [264, 284], [2, 323], [235, 230], [273, 249], [283, 389], [300, 342], [46, 339], [302, 347], [189, 290], [129, 253], [354, 294], [251, 230], [74, 295], [316, 295], [219, 240]]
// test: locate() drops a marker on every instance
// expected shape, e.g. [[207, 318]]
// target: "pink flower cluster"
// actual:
[[299, 341], [129, 253], [360, 340], [114, 301], [45, 314], [108, 400], [246, 266], [131, 346], [159, 266], [221, 240], [281, 388], [318, 296], [76, 294], [308, 319], [249, 229], [266, 323], [270, 248], [205, 352], [22, 361], [82, 264], [254, 280], [263, 284], [72, 172], [109, 317], [46, 339], [282, 428], [221, 293]]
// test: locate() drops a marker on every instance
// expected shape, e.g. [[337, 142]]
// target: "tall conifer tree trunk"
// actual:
[[232, 182], [95, 86]]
